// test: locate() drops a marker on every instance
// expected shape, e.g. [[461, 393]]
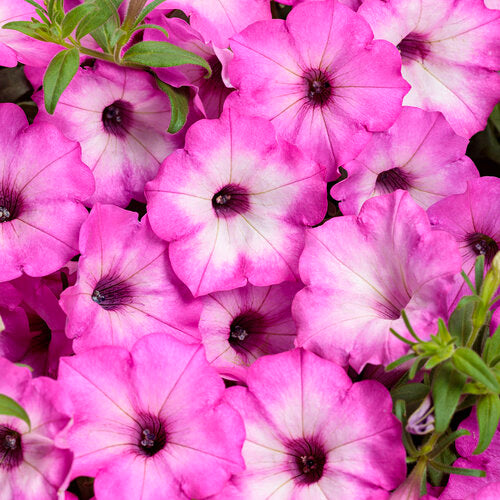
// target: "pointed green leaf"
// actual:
[[488, 416], [399, 361], [479, 273], [36, 5], [444, 442], [460, 322], [9, 407], [101, 11], [410, 392], [492, 347], [179, 102], [457, 470], [447, 388], [151, 26], [469, 282], [73, 17], [147, 10], [396, 334], [59, 74], [162, 55], [468, 362], [25, 27]]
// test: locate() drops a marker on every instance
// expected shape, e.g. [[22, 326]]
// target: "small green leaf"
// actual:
[[59, 74], [492, 347], [415, 367], [479, 273], [399, 361], [9, 407], [460, 322], [468, 362], [36, 5], [409, 327], [22, 365], [101, 11], [162, 55], [457, 470], [179, 102], [400, 409], [469, 282], [444, 442], [488, 416], [26, 27], [396, 334], [151, 26], [73, 17], [447, 388], [147, 10], [410, 392]]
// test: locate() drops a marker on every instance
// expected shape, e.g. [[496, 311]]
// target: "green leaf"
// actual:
[[73, 17], [457, 470], [400, 409], [399, 361], [488, 416], [146, 11], [410, 392], [447, 388], [396, 334], [60, 72], [469, 282], [9, 407], [460, 322], [479, 273], [415, 367], [443, 443], [162, 55], [151, 26], [468, 362], [26, 27], [179, 102], [492, 347], [101, 11], [409, 327], [36, 5], [22, 365]]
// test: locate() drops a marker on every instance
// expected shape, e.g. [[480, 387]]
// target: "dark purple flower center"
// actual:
[[244, 326], [111, 293], [414, 46], [10, 204], [231, 200], [310, 460], [481, 244], [117, 118], [152, 435], [41, 341], [11, 450], [390, 180], [318, 87]]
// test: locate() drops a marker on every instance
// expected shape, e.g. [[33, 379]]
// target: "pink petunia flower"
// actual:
[[311, 433], [15, 46], [473, 218], [42, 185], [450, 52], [35, 324], [420, 153], [210, 93], [363, 271], [32, 465], [125, 287], [120, 119], [460, 487], [238, 202], [320, 78], [241, 325], [150, 424], [353, 4]]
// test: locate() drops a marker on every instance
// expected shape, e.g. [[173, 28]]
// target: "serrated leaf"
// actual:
[[162, 55], [488, 416], [73, 17], [492, 347], [59, 74], [460, 322], [468, 362], [9, 407], [179, 102], [447, 388]]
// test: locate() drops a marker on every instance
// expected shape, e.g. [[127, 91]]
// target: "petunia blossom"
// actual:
[[17, 47], [32, 464], [361, 272], [420, 153], [151, 424], [42, 183], [125, 287], [311, 433], [210, 93], [238, 202], [241, 325], [120, 118], [35, 324], [460, 487], [450, 52], [320, 78], [353, 4], [473, 218]]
